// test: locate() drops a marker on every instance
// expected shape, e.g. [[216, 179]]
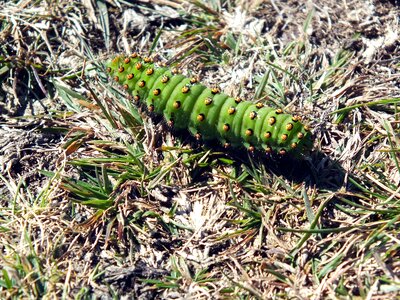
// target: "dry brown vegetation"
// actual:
[[99, 200]]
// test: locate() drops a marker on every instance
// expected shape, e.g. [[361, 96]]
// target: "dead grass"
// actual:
[[97, 199]]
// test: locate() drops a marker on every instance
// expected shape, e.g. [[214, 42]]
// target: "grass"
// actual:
[[96, 198]]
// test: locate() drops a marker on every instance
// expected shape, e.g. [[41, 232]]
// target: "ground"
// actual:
[[99, 199]]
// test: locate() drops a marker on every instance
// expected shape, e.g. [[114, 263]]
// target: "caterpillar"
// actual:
[[206, 112]]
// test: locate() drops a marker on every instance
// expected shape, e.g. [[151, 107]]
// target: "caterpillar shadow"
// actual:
[[315, 169]]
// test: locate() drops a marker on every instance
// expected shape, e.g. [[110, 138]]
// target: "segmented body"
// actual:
[[206, 112]]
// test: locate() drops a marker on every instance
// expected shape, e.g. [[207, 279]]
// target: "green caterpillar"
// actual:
[[206, 112]]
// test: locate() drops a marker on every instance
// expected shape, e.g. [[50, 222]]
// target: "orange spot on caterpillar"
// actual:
[[109, 70], [284, 137], [253, 115], [193, 80], [238, 99], [282, 152], [141, 83], [208, 101], [279, 111], [149, 71], [226, 127], [176, 104], [156, 92], [121, 69], [293, 145], [268, 149], [272, 121], [151, 108], [251, 148], [306, 128], [170, 123], [125, 86], [300, 135], [200, 117], [227, 145], [267, 135], [175, 71], [136, 98], [289, 126], [215, 90], [249, 132], [134, 55], [116, 78], [130, 76], [127, 60], [138, 66], [147, 59], [185, 89], [198, 136], [259, 105], [296, 118], [231, 110], [164, 79]]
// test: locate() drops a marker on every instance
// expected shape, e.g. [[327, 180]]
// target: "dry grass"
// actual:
[[98, 200]]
